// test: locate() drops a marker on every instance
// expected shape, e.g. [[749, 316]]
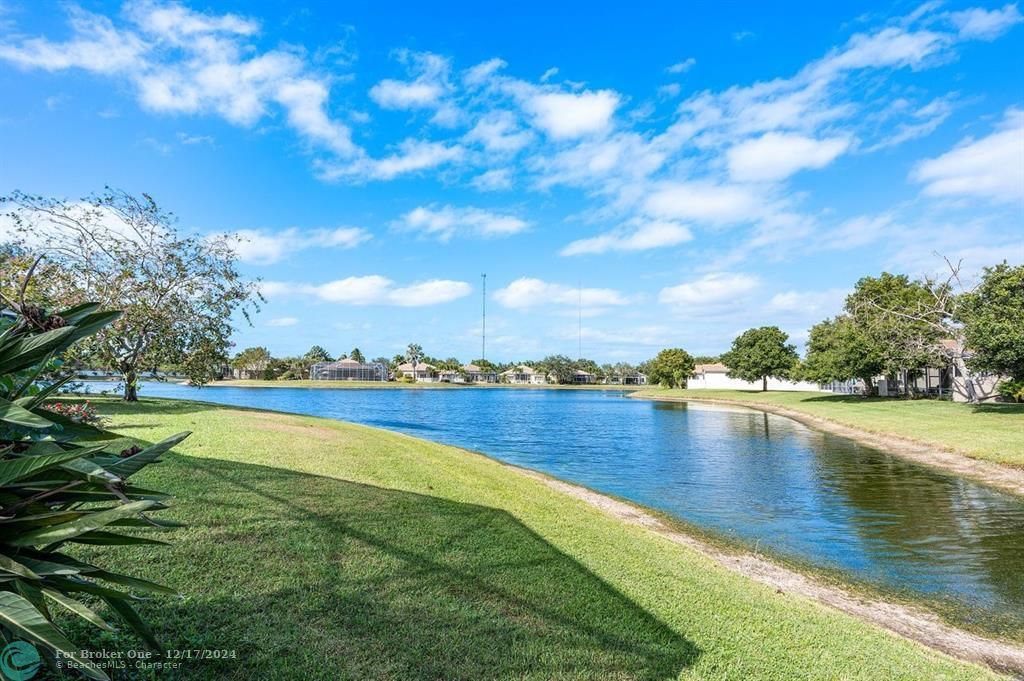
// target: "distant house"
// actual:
[[581, 377], [474, 374], [523, 375], [467, 373], [423, 372], [951, 380], [348, 370], [635, 378], [714, 377]]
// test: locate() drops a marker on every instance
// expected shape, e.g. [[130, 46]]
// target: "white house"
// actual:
[[523, 375], [713, 377], [426, 373]]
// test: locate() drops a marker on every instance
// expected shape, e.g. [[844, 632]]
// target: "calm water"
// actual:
[[765, 480]]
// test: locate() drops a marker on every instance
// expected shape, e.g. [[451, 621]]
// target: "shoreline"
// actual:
[[906, 621], [992, 474]]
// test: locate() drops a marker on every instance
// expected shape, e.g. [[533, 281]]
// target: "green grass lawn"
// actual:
[[323, 550], [987, 431]]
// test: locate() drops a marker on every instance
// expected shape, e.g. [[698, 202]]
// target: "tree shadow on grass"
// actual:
[[312, 577]]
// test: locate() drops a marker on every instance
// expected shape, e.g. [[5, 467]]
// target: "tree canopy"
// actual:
[[760, 353], [177, 293], [839, 350], [671, 367], [993, 319]]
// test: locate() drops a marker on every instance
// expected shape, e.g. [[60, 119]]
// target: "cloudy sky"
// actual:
[[672, 175]]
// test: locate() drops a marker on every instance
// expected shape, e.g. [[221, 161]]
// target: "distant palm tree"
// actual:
[[413, 355]]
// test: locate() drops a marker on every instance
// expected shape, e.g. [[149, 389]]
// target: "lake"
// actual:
[[763, 480]]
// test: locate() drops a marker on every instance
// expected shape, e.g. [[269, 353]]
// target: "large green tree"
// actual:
[[760, 354], [177, 293], [839, 350], [902, 321], [993, 322], [671, 367], [357, 355], [252, 361], [559, 366]]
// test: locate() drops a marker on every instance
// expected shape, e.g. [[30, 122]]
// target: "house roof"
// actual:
[[422, 366], [472, 368], [715, 368], [581, 372], [342, 363], [521, 369]]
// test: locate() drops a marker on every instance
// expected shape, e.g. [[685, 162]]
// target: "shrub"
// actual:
[[83, 412], [1012, 390], [63, 481]]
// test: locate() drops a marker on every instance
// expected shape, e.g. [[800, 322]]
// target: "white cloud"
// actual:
[[805, 303], [983, 24], [483, 72], [262, 247], [448, 221], [97, 45], [775, 156], [705, 202], [526, 292], [991, 167], [186, 62], [429, 87], [493, 180], [283, 321], [412, 156], [856, 232], [564, 115], [683, 66], [638, 235], [497, 131], [709, 291], [373, 289]]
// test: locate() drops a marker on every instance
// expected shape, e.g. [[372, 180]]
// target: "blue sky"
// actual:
[[688, 172]]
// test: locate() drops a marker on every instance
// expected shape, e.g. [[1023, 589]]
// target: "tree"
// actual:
[[559, 366], [839, 350], [671, 367], [357, 356], [759, 354], [902, 320], [317, 354], [993, 322], [177, 293], [413, 355], [252, 361]]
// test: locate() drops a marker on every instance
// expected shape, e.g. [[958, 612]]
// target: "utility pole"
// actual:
[[483, 328]]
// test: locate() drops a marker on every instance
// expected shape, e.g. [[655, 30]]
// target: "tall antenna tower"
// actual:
[[483, 328], [579, 321]]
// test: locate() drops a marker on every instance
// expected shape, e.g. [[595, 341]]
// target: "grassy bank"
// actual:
[[323, 550], [350, 385], [994, 432]]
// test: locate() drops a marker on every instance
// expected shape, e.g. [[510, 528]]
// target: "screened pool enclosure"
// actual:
[[348, 370]]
